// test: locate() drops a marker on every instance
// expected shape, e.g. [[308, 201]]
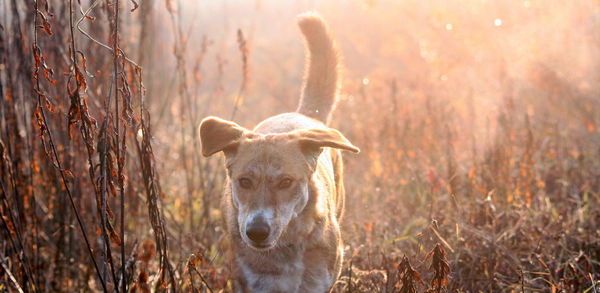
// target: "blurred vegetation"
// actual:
[[477, 120]]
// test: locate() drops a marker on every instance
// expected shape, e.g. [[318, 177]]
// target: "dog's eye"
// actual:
[[245, 183], [285, 183]]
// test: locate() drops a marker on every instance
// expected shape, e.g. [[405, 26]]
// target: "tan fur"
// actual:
[[286, 174], [322, 75]]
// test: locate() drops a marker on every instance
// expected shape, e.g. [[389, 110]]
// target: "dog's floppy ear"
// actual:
[[217, 134], [314, 139]]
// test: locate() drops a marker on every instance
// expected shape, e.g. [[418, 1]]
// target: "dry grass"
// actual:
[[478, 125]]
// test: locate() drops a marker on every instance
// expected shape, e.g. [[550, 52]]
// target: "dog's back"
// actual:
[[321, 84]]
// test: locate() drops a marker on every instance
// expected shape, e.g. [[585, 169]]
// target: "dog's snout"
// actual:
[[258, 231]]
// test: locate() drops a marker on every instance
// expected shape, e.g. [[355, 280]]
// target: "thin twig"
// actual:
[[85, 15], [243, 47], [86, 135], [201, 278], [119, 163], [11, 277]]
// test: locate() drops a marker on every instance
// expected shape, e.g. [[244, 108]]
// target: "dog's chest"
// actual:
[[270, 275], [288, 271]]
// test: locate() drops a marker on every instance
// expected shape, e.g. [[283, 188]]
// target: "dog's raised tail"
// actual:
[[321, 75]]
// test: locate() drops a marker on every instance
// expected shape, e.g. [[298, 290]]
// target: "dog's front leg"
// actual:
[[318, 280], [318, 276]]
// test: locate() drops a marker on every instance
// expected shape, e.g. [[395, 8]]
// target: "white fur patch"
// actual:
[[289, 279]]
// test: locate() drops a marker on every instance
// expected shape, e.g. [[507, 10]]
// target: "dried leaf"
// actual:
[[46, 27], [135, 5]]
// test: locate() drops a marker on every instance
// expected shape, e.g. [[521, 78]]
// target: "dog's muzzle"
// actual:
[[258, 232]]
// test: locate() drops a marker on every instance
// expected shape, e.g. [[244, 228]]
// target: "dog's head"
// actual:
[[269, 174]]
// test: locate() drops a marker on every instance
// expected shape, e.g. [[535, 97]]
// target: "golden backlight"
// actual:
[[477, 120]]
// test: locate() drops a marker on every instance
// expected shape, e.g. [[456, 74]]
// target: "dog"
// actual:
[[284, 193]]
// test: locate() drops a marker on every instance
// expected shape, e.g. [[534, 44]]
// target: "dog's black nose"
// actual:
[[258, 231]]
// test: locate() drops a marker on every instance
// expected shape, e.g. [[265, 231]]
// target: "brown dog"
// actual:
[[284, 194]]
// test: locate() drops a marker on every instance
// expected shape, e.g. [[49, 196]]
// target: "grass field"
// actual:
[[478, 123]]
